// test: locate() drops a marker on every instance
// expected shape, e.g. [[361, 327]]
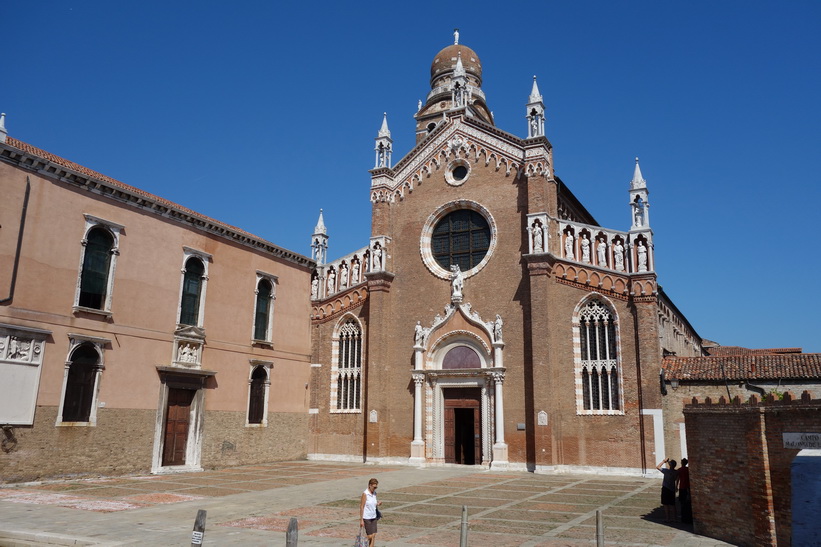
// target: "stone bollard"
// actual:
[[292, 535]]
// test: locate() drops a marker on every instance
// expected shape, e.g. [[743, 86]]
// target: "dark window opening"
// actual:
[[96, 265], [80, 384], [265, 292], [256, 401], [191, 290]]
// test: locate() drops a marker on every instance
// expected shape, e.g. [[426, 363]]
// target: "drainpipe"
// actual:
[[10, 297]]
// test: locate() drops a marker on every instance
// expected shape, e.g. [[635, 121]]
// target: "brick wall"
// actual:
[[739, 468], [122, 443]]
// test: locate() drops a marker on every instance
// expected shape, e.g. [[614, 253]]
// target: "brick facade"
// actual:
[[739, 469]]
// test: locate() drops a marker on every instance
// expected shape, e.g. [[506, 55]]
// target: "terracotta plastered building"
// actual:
[[137, 335]]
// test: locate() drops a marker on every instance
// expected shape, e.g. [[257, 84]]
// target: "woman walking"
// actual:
[[367, 511]]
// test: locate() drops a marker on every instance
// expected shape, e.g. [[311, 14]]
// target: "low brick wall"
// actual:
[[739, 468]]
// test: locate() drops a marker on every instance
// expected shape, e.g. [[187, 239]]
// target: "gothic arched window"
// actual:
[[347, 371], [598, 359]]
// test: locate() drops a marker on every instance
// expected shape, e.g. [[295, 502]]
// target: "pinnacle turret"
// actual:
[[384, 144]]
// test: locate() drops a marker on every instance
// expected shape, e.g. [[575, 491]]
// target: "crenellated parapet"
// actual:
[[771, 400]]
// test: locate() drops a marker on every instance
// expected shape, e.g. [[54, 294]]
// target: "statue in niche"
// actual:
[[534, 126], [376, 257], [618, 255], [568, 245], [639, 214], [331, 281], [355, 272], [418, 334], [601, 252], [343, 276], [641, 253], [457, 282], [538, 242], [314, 287], [497, 328], [585, 244]]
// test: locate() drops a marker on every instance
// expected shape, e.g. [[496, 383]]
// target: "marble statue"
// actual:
[[585, 244], [331, 281], [568, 245], [457, 282], [601, 252], [418, 333], [497, 328], [376, 257], [641, 252], [618, 256], [343, 276], [538, 244], [314, 287]]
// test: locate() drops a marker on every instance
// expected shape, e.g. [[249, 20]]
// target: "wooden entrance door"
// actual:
[[463, 426], [177, 419]]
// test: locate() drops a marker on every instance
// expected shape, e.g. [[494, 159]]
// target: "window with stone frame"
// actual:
[[263, 308], [346, 375], [597, 360], [192, 288], [98, 260], [80, 385], [258, 395]]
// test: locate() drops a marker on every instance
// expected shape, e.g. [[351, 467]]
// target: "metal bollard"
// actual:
[[599, 529], [292, 535], [463, 534]]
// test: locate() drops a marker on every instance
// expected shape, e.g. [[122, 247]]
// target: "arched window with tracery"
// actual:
[[347, 370], [598, 363]]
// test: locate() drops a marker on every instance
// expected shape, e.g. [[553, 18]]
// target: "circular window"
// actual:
[[457, 172], [460, 233]]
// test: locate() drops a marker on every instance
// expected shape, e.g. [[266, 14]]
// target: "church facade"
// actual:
[[489, 320]]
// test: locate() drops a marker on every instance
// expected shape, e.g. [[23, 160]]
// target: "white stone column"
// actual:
[[418, 444], [500, 457]]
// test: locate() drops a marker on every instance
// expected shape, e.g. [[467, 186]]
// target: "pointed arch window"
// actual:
[[597, 360], [346, 375], [97, 264]]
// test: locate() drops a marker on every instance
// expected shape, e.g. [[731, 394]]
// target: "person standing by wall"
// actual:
[[367, 511], [684, 492], [668, 488]]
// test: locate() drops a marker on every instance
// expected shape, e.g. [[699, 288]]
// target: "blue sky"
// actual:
[[261, 113]]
